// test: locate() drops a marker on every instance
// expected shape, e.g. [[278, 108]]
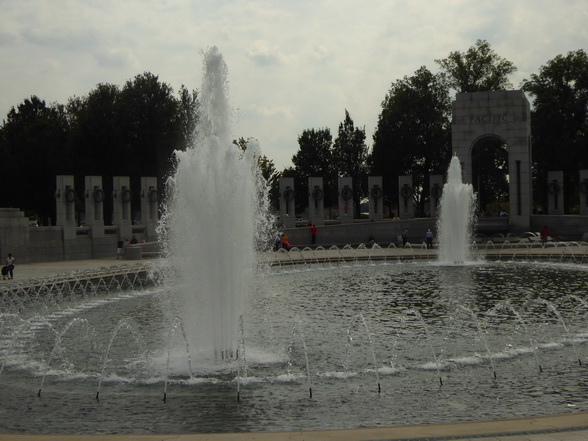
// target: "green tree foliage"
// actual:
[[268, 171], [490, 171], [476, 70], [32, 144], [560, 122], [350, 158], [131, 131], [314, 159], [413, 135], [188, 111], [272, 177], [95, 133], [150, 125]]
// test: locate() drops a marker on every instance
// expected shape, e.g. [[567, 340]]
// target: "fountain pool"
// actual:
[[441, 343]]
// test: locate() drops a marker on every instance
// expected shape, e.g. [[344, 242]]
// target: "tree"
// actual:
[[150, 127], [490, 172], [560, 122], [268, 171], [479, 69], [32, 147], [350, 158], [95, 132], [413, 135], [188, 116], [272, 177], [314, 159]]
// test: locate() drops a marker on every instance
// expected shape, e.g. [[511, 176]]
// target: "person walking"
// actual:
[[10, 262], [313, 233]]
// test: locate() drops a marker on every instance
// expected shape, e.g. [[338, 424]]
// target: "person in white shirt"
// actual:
[[10, 262]]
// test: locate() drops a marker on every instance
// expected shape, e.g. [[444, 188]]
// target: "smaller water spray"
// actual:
[[481, 332], [506, 305], [551, 307], [303, 341], [426, 328], [123, 323], [361, 319], [241, 359], [177, 324]]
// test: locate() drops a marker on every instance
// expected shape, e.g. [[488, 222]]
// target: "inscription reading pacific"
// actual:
[[492, 118]]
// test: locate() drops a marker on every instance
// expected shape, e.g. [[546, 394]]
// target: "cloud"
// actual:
[[117, 58], [283, 112], [292, 65], [263, 54]]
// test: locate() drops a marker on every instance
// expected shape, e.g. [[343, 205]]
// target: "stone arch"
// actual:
[[504, 116], [489, 155]]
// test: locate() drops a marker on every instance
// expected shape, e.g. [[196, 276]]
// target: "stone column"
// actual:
[[149, 207], [287, 202], [435, 192], [405, 192], [584, 192], [376, 198], [346, 210], [555, 193], [14, 234], [121, 206], [316, 201], [65, 201], [94, 198]]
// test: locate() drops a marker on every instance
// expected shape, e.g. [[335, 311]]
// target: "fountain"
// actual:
[[455, 221], [216, 202], [227, 345]]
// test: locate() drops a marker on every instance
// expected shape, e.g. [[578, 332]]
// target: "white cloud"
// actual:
[[292, 65], [264, 54], [117, 58]]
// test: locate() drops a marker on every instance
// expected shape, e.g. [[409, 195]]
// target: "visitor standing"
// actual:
[[10, 262], [313, 233], [119, 249], [404, 238], [544, 234], [429, 239], [285, 243]]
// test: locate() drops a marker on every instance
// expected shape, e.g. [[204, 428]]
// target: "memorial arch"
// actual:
[[491, 131]]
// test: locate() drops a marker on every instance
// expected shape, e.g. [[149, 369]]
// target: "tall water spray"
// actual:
[[211, 223], [456, 219]]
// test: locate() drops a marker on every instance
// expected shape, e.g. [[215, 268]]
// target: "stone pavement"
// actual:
[[568, 427], [44, 269]]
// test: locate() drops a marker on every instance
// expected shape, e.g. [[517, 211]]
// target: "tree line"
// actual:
[[413, 132], [133, 131]]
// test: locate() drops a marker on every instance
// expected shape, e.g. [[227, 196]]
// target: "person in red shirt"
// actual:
[[544, 235], [313, 233]]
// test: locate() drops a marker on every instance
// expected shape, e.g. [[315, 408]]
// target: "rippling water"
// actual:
[[441, 343]]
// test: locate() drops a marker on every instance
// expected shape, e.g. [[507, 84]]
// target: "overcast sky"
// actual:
[[293, 64]]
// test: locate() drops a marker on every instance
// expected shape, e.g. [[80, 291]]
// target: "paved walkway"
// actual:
[[569, 427], [44, 269]]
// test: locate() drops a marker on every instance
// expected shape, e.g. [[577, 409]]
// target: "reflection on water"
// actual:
[[446, 343]]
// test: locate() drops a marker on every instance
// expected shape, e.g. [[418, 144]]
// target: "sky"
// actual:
[[293, 64]]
